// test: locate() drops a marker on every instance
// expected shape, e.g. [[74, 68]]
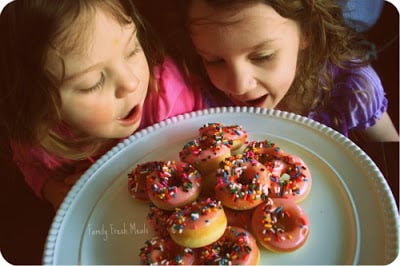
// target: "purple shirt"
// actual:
[[358, 100]]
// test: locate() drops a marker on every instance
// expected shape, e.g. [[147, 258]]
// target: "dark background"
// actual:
[[26, 220]]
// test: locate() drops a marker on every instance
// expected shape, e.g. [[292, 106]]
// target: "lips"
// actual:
[[257, 102], [132, 116], [129, 114]]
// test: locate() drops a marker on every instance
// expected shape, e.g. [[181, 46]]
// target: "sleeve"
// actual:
[[173, 96], [37, 166], [360, 98]]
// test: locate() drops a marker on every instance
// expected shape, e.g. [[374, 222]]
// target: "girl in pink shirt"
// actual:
[[77, 77]]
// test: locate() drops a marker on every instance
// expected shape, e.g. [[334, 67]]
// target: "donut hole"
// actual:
[[250, 175], [265, 158], [246, 179], [285, 223], [175, 182]]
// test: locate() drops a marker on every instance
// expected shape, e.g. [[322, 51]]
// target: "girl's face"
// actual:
[[250, 54], [106, 82]]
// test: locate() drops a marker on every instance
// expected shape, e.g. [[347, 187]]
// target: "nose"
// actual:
[[126, 81], [240, 79]]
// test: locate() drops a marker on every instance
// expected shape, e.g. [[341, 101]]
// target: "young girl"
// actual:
[[297, 56], [76, 77]]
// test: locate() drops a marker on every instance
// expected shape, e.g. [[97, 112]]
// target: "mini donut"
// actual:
[[164, 251], [197, 224], [263, 151], [290, 178], [236, 247], [280, 225], [205, 153], [157, 219], [137, 179], [233, 133], [173, 184], [242, 182]]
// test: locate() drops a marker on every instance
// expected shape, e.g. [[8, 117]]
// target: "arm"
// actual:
[[54, 191], [382, 131], [49, 177]]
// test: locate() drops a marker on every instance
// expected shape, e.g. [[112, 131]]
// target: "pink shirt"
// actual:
[[174, 97]]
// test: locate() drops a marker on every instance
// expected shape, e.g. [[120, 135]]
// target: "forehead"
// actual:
[[102, 35], [202, 10], [241, 27]]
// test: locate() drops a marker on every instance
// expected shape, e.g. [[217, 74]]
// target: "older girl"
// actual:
[[297, 56]]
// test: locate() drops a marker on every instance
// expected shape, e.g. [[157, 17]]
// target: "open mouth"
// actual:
[[132, 115], [258, 101], [129, 114]]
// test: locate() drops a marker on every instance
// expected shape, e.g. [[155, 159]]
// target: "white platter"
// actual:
[[353, 216]]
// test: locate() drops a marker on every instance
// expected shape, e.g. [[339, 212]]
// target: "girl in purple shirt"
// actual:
[[296, 56], [76, 78]]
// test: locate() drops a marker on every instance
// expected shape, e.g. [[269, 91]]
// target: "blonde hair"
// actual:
[[30, 100]]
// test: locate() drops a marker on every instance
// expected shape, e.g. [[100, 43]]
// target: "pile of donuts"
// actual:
[[224, 197]]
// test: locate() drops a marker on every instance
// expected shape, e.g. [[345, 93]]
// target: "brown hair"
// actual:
[[331, 42], [29, 98]]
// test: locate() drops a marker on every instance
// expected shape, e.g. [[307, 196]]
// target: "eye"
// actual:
[[97, 86], [262, 57]]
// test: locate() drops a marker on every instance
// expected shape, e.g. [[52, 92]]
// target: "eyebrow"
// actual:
[[254, 47], [96, 65]]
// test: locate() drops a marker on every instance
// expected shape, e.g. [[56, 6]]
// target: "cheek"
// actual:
[[217, 77], [282, 79], [87, 114]]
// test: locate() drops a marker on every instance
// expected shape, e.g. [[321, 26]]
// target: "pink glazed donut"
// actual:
[[280, 225], [290, 178], [263, 151], [205, 153], [197, 224], [173, 185], [290, 175], [164, 251], [233, 133], [236, 247], [137, 179], [242, 182]]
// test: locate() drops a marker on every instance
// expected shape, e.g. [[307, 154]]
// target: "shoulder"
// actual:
[[358, 83], [172, 94], [358, 93], [170, 78]]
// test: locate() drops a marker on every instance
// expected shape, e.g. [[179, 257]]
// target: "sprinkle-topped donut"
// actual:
[[280, 225], [197, 224], [233, 133], [242, 182], [164, 251], [137, 179], [263, 151], [157, 219], [205, 153], [290, 178], [236, 247], [173, 184]]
